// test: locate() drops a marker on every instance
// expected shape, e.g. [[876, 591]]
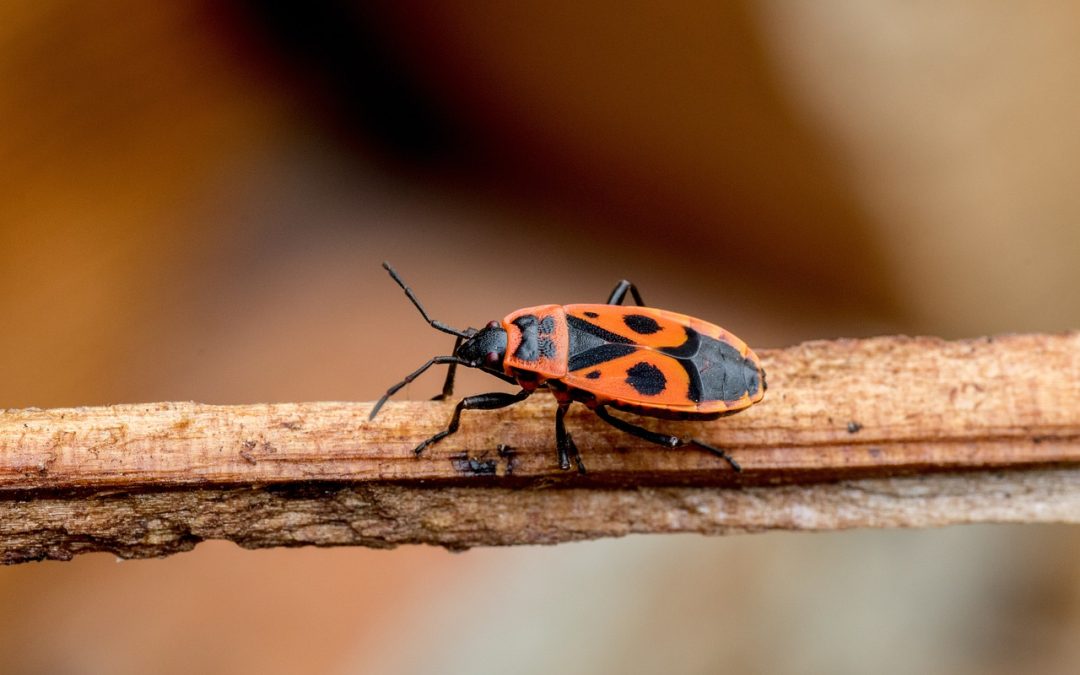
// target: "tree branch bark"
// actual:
[[853, 433]]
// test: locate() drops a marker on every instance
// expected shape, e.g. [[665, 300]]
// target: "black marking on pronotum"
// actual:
[[641, 324], [591, 315], [598, 355], [593, 374], [646, 378], [529, 349], [547, 348], [534, 341], [577, 323]]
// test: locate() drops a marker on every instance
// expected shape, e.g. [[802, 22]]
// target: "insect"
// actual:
[[635, 359]]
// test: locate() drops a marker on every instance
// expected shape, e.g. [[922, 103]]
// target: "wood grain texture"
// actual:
[[882, 432]]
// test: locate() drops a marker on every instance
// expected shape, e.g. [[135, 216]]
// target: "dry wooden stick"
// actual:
[[872, 433]]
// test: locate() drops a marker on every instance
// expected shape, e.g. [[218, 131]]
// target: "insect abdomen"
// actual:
[[718, 372]]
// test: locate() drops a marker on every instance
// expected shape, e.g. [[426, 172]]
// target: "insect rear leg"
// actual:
[[490, 401], [619, 294], [716, 451], [666, 440], [564, 442]]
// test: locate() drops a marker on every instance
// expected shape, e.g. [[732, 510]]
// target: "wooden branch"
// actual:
[[872, 433]]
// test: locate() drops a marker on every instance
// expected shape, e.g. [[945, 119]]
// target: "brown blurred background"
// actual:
[[195, 198]]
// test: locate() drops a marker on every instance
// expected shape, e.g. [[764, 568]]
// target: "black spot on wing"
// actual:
[[646, 378], [641, 324], [591, 315], [593, 375], [598, 355]]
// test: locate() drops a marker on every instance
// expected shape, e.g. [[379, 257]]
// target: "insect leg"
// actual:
[[437, 325], [662, 439], [619, 294], [448, 384], [564, 442], [651, 436], [716, 451], [490, 401], [454, 360]]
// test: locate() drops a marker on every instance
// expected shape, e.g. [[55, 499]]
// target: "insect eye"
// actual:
[[493, 324], [491, 358]]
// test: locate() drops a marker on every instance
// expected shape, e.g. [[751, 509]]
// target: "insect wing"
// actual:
[[658, 359]]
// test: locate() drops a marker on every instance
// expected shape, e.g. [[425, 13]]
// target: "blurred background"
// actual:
[[195, 199]]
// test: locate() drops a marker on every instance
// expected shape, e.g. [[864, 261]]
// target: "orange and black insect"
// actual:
[[639, 359]]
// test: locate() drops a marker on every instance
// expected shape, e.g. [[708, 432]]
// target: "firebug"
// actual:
[[635, 359]]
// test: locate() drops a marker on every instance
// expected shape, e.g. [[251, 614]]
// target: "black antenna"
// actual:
[[437, 325]]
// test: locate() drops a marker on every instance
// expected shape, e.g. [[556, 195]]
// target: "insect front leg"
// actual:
[[448, 384], [452, 360], [619, 294], [490, 401], [663, 439], [564, 442]]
